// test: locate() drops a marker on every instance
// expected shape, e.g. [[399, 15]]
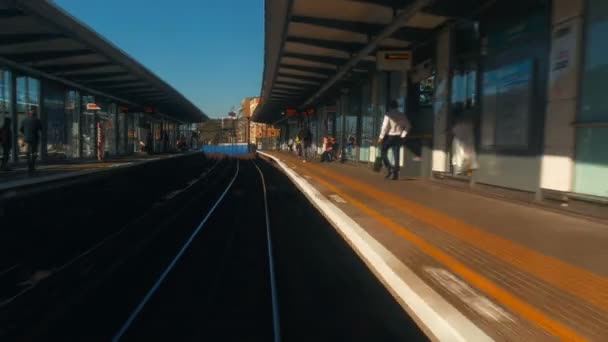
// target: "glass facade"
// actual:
[[592, 131], [28, 99], [72, 114], [5, 99], [122, 133], [88, 128], [56, 123], [76, 125], [366, 138]]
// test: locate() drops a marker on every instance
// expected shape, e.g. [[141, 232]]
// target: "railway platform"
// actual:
[[466, 266]]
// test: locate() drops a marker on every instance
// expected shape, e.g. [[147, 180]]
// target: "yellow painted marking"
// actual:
[[581, 283], [482, 283]]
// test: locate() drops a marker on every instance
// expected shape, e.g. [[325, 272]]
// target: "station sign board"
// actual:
[[394, 60]]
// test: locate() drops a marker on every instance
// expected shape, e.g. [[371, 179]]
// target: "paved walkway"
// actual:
[[517, 272]]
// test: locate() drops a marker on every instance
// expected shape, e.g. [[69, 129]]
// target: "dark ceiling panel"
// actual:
[[31, 57], [72, 67], [413, 34], [10, 39], [353, 26], [316, 58], [98, 75], [10, 13], [300, 77], [455, 9], [389, 3], [322, 71], [329, 44]]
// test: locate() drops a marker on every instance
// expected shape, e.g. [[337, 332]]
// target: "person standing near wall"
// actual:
[[6, 140], [394, 129]]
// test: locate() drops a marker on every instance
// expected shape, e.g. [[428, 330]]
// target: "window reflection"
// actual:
[[28, 99]]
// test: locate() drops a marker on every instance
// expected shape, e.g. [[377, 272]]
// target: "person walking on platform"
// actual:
[[31, 128], [394, 129], [306, 136], [6, 140], [298, 145], [149, 143]]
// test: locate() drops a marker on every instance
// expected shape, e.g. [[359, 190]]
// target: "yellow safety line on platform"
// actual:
[[584, 284], [484, 284]]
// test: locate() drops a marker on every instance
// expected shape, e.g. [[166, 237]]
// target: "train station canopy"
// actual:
[[314, 48], [39, 38]]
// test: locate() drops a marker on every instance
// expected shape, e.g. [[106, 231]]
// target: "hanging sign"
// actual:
[[394, 60], [93, 106]]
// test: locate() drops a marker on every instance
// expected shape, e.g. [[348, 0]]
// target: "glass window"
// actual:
[[87, 127], [5, 99], [5, 94], [122, 133], [506, 110], [594, 102], [28, 99], [72, 113], [591, 140], [54, 107]]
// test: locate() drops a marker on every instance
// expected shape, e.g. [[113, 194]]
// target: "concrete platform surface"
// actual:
[[515, 272]]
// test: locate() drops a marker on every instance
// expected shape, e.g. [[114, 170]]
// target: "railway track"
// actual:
[[242, 257]]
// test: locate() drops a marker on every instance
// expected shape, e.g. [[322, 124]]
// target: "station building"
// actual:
[[93, 99], [518, 83]]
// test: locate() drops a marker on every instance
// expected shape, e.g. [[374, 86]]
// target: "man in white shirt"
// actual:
[[394, 129]]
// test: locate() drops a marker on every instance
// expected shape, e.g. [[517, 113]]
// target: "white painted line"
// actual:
[[276, 323], [468, 295], [438, 318], [336, 198]]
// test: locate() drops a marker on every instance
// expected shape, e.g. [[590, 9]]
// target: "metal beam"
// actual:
[[398, 22]]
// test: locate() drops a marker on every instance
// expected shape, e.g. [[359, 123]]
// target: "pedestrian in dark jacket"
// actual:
[[306, 136], [6, 139], [31, 128]]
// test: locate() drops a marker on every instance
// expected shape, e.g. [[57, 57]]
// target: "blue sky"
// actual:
[[210, 50]]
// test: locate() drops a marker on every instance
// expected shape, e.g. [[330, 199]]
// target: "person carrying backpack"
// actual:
[[394, 129]]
